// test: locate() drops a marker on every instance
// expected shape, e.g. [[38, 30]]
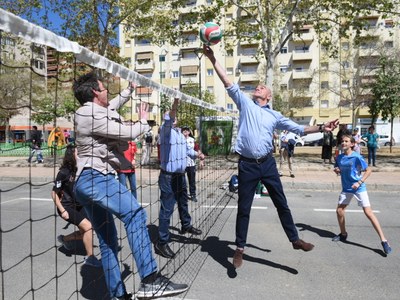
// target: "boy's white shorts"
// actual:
[[362, 198]]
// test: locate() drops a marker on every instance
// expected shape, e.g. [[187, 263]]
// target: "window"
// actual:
[[324, 85], [175, 74], [229, 106], [175, 56], [229, 71], [39, 64], [388, 44], [346, 65], [229, 52], [229, 17], [324, 66], [324, 103], [161, 58], [209, 2], [210, 72], [127, 43], [302, 49], [389, 24], [345, 83], [284, 50], [283, 87], [162, 75], [299, 69], [210, 89], [142, 42], [284, 69], [345, 46]]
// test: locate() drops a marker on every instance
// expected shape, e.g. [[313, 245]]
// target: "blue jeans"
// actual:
[[102, 196], [122, 177], [250, 173], [38, 152], [371, 155], [173, 189]]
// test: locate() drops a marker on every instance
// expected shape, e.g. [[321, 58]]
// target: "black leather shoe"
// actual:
[[191, 230], [164, 250]]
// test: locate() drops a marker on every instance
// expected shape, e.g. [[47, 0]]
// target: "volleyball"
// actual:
[[210, 33]]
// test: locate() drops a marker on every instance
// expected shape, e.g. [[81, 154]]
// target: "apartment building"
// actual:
[[42, 60], [317, 87]]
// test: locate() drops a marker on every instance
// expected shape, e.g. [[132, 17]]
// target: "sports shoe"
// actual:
[[92, 261], [65, 244], [340, 237], [302, 245], [162, 286], [238, 258], [386, 247]]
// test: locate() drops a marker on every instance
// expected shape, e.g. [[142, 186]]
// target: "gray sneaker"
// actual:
[[160, 287]]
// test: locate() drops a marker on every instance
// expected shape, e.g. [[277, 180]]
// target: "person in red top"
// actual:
[[129, 174]]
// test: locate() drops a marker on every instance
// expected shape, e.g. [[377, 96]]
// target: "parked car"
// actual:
[[384, 140], [299, 141], [313, 139]]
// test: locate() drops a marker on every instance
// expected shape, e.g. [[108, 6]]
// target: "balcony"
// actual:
[[302, 55], [247, 59], [144, 65], [302, 74], [246, 77]]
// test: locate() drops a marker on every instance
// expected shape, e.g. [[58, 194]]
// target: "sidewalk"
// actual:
[[310, 173]]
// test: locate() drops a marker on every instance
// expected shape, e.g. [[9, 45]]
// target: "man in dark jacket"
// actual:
[[36, 139]]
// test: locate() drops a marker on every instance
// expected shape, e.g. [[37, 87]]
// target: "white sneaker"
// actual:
[[92, 261]]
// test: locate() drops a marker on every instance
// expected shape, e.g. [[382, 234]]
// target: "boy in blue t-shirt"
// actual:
[[350, 166]]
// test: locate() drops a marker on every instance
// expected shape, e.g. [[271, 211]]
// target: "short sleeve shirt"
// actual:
[[351, 167]]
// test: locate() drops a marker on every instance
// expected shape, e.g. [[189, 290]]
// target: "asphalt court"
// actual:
[[272, 269]]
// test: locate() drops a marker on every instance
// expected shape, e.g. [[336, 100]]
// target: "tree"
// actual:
[[15, 90], [386, 90], [270, 23]]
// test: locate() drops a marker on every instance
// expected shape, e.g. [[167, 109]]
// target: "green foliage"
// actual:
[[386, 89], [187, 112]]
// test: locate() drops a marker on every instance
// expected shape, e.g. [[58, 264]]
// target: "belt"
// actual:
[[171, 173], [256, 160]]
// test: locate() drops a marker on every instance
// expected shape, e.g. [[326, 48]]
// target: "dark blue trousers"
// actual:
[[250, 173]]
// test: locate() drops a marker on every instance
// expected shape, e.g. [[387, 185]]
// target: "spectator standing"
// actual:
[[129, 173], [357, 140], [70, 210], [350, 165], [101, 139], [327, 146], [172, 182], [257, 123], [372, 139], [342, 130], [286, 151], [67, 136], [147, 148], [191, 163], [36, 138]]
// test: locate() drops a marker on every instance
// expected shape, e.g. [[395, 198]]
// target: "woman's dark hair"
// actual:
[[83, 87], [69, 160]]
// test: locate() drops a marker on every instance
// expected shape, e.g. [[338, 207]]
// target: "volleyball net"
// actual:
[[37, 71]]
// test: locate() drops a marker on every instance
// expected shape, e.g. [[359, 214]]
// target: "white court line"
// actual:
[[347, 210], [232, 206], [34, 199]]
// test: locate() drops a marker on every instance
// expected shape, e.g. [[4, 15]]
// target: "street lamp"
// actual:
[[199, 53], [161, 59]]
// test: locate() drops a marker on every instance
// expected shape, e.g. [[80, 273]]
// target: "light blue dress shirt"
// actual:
[[173, 147], [257, 125]]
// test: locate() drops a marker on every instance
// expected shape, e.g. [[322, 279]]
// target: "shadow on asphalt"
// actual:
[[330, 234], [321, 232], [222, 253]]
